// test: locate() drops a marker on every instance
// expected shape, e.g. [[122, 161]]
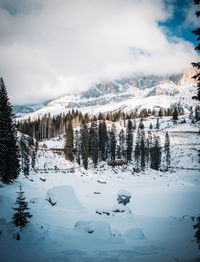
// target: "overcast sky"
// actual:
[[55, 47]]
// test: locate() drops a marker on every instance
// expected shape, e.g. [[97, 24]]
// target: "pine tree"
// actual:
[[84, 144], [25, 153], [197, 65], [113, 143], [175, 114], [155, 154], [150, 126], [77, 148], [103, 140], [137, 150], [157, 123], [143, 151], [9, 152], [69, 145], [122, 144], [22, 215], [129, 141], [167, 151], [141, 124], [93, 142]]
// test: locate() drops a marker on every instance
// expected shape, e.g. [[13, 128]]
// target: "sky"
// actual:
[[55, 47]]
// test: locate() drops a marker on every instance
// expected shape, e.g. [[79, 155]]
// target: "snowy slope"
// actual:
[[71, 230]]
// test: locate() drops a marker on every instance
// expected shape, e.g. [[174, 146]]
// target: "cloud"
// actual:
[[50, 48]]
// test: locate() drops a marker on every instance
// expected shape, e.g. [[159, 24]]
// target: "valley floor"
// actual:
[[158, 229]]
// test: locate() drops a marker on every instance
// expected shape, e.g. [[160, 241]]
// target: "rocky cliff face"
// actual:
[[186, 78]]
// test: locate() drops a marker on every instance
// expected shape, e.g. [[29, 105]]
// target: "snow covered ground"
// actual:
[[72, 230]]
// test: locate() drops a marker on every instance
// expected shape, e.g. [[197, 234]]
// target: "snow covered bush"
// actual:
[[123, 197], [97, 229], [120, 208], [65, 197]]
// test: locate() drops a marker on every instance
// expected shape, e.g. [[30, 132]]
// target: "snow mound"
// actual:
[[134, 234], [123, 197], [120, 208], [97, 229], [64, 197], [38, 200], [116, 233]]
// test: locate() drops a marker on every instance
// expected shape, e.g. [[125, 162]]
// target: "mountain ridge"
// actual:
[[127, 94]]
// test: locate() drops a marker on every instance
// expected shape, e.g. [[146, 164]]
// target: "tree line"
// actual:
[[95, 142]]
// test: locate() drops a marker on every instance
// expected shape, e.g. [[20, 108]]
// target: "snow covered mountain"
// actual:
[[126, 94]]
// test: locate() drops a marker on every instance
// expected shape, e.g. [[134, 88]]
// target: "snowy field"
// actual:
[[82, 224]]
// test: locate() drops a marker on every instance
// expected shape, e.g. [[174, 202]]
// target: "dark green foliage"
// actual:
[[25, 155], [197, 64], [167, 151], [150, 126], [175, 114], [113, 143], [84, 144], [137, 150], [129, 141], [141, 125], [22, 215], [155, 154], [142, 151], [157, 123], [93, 142], [122, 149], [69, 144], [103, 140], [9, 152]]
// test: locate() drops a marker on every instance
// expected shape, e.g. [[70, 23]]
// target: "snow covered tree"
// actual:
[[69, 145], [77, 147], [21, 217], [197, 64], [129, 141], [9, 152], [134, 125], [167, 151]]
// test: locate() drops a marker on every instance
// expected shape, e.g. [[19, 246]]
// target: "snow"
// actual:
[[134, 234], [120, 208], [64, 196], [97, 229], [161, 96], [157, 229]]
